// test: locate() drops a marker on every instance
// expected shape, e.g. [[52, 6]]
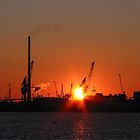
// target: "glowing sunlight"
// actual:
[[78, 93]]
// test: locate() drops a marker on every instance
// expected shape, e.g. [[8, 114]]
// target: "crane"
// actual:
[[24, 88], [62, 90], [56, 89], [9, 92], [24, 85], [71, 87], [87, 80], [83, 82], [90, 75], [121, 85]]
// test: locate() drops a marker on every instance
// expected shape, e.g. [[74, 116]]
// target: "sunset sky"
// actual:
[[66, 36]]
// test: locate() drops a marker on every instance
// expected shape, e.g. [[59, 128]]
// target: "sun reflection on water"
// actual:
[[80, 130]]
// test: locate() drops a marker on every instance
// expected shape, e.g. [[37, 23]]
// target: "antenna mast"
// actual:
[[9, 92], [121, 85]]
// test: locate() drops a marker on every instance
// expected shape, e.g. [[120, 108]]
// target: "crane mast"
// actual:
[[56, 89], [62, 90], [121, 85], [9, 92], [90, 75], [87, 80], [83, 82]]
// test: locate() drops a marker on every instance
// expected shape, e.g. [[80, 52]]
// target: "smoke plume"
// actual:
[[44, 86], [46, 28]]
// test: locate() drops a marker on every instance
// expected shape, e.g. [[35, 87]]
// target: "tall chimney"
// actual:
[[29, 71]]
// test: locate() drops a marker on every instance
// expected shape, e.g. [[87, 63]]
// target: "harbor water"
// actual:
[[69, 126]]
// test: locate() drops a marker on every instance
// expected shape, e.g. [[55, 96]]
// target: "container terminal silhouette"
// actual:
[[64, 102]]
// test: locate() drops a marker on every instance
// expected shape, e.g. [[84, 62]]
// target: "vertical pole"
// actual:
[[62, 91], [29, 71], [71, 90], [121, 83], [9, 95], [56, 89]]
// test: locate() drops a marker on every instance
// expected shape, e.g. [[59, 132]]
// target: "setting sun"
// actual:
[[78, 93]]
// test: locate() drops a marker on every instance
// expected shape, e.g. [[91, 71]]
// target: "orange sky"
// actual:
[[66, 38]]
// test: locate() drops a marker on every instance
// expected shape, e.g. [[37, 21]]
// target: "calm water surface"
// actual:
[[70, 126]]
